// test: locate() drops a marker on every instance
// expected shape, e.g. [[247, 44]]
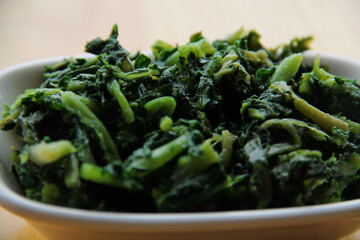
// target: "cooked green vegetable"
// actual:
[[287, 68], [227, 125], [324, 120], [160, 107], [114, 88], [46, 153]]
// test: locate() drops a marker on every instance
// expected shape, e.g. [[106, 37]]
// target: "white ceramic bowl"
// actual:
[[328, 221]]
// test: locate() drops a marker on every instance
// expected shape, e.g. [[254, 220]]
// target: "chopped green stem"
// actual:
[[46, 153], [166, 123], [140, 73], [73, 104], [14, 110], [114, 89], [226, 147], [168, 151], [200, 49], [93, 173], [72, 177], [33, 94], [160, 155], [192, 165], [236, 35], [287, 68], [280, 148], [354, 126], [324, 120], [159, 107]]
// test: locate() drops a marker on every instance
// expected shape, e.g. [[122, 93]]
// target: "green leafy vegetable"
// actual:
[[46, 153], [287, 68], [205, 126]]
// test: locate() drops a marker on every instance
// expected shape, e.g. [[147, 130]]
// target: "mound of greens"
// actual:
[[227, 125]]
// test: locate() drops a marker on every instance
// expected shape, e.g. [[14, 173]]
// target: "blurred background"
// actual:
[[35, 29]]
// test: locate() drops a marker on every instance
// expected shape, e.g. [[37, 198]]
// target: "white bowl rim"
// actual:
[[38, 212]]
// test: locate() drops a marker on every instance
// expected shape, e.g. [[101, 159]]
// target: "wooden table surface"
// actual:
[[38, 29]]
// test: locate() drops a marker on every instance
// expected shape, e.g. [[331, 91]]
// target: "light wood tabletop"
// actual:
[[31, 30]]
